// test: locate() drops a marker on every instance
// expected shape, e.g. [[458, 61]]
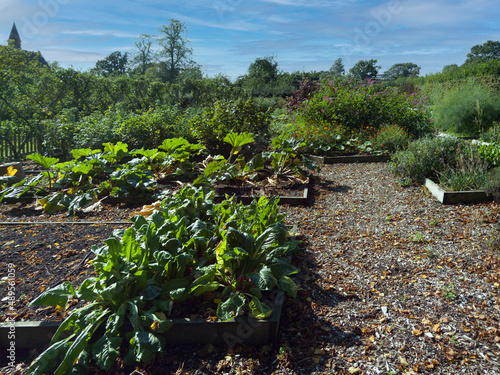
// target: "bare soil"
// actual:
[[392, 282]]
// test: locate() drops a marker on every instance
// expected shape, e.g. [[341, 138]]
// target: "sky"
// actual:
[[226, 36]]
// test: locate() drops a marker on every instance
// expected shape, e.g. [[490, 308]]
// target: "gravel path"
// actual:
[[414, 283]]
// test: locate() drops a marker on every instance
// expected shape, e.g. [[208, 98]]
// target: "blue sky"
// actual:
[[227, 35]]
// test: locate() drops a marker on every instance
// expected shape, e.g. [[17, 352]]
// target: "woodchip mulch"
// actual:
[[392, 282]]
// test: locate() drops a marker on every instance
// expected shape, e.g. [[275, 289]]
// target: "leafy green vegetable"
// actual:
[[189, 247]]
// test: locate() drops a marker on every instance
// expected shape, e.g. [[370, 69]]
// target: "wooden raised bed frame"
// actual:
[[241, 330], [456, 197], [349, 159]]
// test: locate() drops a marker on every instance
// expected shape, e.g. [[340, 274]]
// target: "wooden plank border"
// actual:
[[456, 197], [349, 159]]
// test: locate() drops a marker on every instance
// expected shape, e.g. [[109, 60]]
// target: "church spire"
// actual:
[[14, 38]]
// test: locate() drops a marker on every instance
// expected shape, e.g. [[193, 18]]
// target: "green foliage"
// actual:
[[469, 109], [402, 70], [93, 175], [285, 162], [489, 69], [176, 53], [212, 126], [113, 65], [484, 52], [191, 246], [369, 105], [364, 69], [490, 153], [390, 138], [147, 129], [492, 134], [265, 79], [337, 69], [425, 158]]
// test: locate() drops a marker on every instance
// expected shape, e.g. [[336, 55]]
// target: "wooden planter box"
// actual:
[[349, 159], [293, 201], [241, 330], [456, 197]]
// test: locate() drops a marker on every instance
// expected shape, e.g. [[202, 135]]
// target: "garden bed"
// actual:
[[349, 159], [456, 197], [242, 330]]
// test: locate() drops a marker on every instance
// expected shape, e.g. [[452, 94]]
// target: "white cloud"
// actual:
[[108, 33]]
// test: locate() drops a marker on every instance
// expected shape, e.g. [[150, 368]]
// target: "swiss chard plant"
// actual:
[[189, 247]]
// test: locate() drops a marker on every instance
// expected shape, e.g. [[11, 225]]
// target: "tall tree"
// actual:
[[144, 55], [364, 69], [484, 52], [262, 76], [402, 70], [264, 69], [113, 65], [175, 50], [338, 68]]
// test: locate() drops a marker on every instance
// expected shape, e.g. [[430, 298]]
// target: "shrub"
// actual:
[[305, 91], [320, 139], [138, 130], [469, 173], [390, 138], [492, 135], [425, 158], [468, 109], [367, 105], [59, 133], [492, 184], [214, 123]]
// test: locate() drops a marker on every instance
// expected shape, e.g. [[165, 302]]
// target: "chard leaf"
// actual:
[[144, 346], [133, 317], [57, 296], [272, 236], [80, 343], [288, 285], [85, 290], [151, 292], [106, 350], [263, 278], [130, 246], [46, 362], [115, 321], [69, 323], [230, 307], [210, 287], [175, 284], [282, 268], [259, 309]]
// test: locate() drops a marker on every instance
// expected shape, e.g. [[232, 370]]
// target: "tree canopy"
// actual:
[[175, 50], [484, 52], [113, 65], [337, 68], [402, 70], [364, 69]]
